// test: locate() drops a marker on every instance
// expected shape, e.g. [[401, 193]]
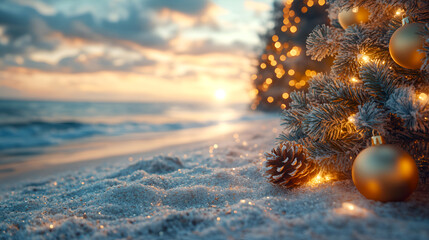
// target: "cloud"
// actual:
[[126, 49], [255, 6], [27, 29], [189, 7]]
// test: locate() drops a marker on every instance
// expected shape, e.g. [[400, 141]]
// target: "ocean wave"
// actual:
[[45, 133], [40, 133]]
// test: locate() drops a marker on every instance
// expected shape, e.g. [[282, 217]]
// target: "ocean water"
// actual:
[[34, 124]]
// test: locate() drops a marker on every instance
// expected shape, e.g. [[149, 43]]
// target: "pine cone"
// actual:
[[289, 165]]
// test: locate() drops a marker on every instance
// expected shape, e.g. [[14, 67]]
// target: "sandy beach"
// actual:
[[208, 188]]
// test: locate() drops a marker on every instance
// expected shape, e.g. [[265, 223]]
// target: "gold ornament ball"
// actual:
[[404, 45], [353, 16], [385, 173]]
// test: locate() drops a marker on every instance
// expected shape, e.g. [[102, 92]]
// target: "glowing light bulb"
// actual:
[[349, 206], [297, 19], [270, 99], [399, 12], [275, 38], [352, 118], [363, 59], [304, 9], [285, 95], [354, 80], [423, 96]]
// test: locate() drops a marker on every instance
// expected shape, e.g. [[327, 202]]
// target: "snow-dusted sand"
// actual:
[[214, 191]]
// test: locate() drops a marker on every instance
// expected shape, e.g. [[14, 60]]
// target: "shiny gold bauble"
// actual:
[[353, 16], [385, 173], [404, 45]]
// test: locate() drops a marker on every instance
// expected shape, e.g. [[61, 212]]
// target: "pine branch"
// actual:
[[328, 122], [378, 80], [299, 100], [346, 94], [346, 63], [316, 90], [415, 113], [292, 122], [371, 116], [322, 42]]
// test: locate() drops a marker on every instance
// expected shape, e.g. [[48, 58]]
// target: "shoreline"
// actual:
[[103, 151]]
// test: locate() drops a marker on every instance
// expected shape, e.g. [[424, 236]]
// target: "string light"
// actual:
[[304, 9], [354, 80], [399, 12], [352, 118], [285, 95], [289, 18], [319, 179], [423, 97], [275, 38], [363, 58]]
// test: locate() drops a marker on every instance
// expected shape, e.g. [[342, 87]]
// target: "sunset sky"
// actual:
[[130, 50]]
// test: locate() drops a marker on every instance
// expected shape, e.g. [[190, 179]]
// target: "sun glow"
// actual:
[[220, 94]]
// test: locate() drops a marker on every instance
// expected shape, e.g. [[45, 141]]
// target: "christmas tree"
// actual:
[[378, 85], [283, 66]]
